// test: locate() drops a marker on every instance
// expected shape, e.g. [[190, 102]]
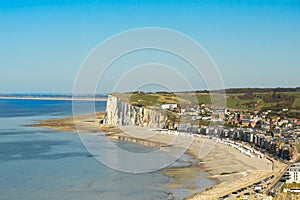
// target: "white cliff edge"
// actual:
[[122, 113]]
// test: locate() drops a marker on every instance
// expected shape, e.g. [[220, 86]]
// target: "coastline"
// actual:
[[180, 175], [227, 167]]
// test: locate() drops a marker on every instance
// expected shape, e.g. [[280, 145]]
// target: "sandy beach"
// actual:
[[230, 169]]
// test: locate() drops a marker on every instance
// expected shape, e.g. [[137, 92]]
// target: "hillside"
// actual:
[[242, 99]]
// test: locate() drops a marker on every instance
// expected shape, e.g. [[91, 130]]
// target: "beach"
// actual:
[[227, 167]]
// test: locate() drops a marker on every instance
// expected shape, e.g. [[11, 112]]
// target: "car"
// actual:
[[258, 195]]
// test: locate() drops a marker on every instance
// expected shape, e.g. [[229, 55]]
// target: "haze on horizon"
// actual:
[[43, 43]]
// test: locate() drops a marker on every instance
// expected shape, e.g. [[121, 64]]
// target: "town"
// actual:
[[267, 132], [271, 134]]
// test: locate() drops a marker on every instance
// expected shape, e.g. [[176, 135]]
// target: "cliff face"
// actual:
[[122, 113]]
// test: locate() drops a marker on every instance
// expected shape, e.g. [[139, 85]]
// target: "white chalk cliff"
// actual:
[[122, 113]]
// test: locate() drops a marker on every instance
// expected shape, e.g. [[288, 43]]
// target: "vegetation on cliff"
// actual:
[[276, 99]]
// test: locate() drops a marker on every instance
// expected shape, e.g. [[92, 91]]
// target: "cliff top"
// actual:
[[243, 99], [142, 99]]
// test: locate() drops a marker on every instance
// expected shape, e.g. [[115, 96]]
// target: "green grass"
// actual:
[[203, 98], [296, 103], [291, 185], [147, 99], [243, 101], [143, 99], [172, 116]]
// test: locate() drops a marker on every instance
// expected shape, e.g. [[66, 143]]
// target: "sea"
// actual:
[[40, 164]]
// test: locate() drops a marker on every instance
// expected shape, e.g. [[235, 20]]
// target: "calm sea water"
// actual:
[[37, 163]]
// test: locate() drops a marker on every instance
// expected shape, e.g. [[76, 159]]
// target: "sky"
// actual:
[[43, 43]]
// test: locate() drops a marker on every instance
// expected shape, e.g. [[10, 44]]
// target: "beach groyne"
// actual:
[[122, 113]]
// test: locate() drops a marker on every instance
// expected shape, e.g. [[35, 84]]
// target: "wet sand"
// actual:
[[227, 167], [88, 123]]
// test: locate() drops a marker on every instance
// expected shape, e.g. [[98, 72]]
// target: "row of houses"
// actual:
[[282, 147], [263, 130], [263, 120], [279, 147]]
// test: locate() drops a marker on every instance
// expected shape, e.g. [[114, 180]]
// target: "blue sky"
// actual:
[[43, 43]]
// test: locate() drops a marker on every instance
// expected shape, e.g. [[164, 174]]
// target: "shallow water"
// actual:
[[37, 163]]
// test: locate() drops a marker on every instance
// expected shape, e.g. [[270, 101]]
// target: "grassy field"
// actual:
[[243, 101], [148, 99], [296, 103], [288, 195]]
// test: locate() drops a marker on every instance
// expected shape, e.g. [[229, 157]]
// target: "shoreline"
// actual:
[[227, 168], [180, 175]]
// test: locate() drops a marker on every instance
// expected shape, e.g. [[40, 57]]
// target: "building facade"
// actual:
[[293, 173]]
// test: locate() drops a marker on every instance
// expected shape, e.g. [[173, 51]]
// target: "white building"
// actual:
[[168, 105], [293, 173], [183, 126]]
